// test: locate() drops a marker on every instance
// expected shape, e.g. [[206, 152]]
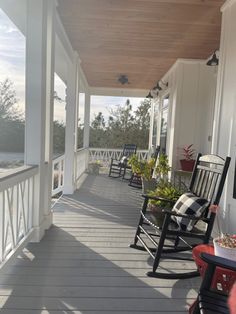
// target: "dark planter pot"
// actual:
[[148, 185], [187, 165]]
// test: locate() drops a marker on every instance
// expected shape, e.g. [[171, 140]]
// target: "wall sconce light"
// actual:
[[161, 85], [149, 95], [214, 59], [156, 89]]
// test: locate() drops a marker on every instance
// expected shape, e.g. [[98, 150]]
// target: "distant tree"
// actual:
[[58, 137], [11, 123], [8, 100], [98, 121], [123, 126]]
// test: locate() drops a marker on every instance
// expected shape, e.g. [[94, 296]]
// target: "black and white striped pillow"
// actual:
[[189, 204]]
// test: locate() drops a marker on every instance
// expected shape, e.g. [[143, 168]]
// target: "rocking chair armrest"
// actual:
[[158, 198], [219, 261], [173, 213]]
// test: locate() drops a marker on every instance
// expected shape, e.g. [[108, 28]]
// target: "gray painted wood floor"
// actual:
[[84, 264]]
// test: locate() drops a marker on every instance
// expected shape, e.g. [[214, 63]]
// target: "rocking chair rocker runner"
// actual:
[[118, 167], [179, 232]]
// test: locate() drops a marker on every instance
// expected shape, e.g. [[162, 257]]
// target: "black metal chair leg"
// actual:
[[145, 203], [160, 245]]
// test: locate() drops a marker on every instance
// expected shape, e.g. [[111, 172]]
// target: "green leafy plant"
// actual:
[[167, 191], [144, 168], [162, 167]]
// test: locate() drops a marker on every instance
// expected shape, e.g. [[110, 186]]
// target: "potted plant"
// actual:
[[187, 163], [167, 191], [93, 167], [143, 168], [225, 246], [162, 168]]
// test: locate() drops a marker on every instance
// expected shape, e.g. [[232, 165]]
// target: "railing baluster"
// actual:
[[2, 224], [22, 188]]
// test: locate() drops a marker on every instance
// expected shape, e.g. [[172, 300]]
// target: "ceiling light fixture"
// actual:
[[123, 79]]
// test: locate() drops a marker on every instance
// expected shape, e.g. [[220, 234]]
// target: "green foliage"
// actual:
[[166, 190], [123, 126], [162, 167], [58, 137], [12, 127], [142, 167]]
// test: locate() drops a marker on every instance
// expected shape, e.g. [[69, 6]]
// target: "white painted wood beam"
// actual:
[[87, 119], [39, 102], [71, 126]]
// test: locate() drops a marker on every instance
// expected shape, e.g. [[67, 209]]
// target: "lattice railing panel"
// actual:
[[104, 155], [16, 210]]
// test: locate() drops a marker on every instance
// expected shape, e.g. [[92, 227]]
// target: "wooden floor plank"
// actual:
[[84, 264]]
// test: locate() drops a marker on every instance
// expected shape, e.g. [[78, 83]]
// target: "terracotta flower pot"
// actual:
[[187, 165]]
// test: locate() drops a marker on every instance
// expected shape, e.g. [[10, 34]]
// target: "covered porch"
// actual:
[[84, 263], [75, 255]]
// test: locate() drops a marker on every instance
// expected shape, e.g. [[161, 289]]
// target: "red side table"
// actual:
[[223, 279]]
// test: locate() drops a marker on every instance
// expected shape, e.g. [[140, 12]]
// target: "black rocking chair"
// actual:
[[211, 300], [206, 183], [118, 167]]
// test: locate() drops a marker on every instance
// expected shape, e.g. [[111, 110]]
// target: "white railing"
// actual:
[[58, 165], [104, 155], [16, 210], [81, 161]]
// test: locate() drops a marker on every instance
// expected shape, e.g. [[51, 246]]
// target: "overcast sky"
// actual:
[[12, 66]]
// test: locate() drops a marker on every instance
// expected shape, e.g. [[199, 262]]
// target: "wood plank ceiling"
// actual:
[[139, 38]]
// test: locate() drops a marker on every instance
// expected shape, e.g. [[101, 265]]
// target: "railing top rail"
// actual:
[[59, 157], [17, 175], [115, 149], [82, 149]]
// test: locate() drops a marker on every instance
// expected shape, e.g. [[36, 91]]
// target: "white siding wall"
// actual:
[[192, 94], [225, 111]]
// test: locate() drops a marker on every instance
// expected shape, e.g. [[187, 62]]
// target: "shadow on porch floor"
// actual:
[[84, 265]]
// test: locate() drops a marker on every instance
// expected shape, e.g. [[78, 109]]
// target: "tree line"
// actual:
[[122, 126]]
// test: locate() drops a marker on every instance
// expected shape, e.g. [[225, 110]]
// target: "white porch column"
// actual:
[[71, 126], [87, 119], [224, 135], [39, 105]]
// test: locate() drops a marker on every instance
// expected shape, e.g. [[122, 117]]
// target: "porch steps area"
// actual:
[[84, 265]]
